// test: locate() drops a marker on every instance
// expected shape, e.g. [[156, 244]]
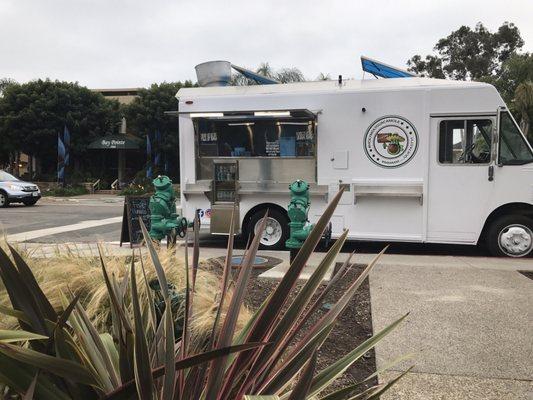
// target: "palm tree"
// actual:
[[266, 70], [523, 101]]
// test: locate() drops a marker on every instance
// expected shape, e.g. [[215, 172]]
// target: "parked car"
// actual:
[[13, 190]]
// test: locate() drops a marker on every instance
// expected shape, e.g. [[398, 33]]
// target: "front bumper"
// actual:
[[15, 197]]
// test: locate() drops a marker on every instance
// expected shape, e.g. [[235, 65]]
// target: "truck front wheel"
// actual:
[[276, 230], [511, 236]]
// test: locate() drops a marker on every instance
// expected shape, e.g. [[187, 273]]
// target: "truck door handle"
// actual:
[[491, 173]]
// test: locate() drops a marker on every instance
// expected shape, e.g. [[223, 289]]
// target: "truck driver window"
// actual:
[[513, 147], [255, 137], [465, 141]]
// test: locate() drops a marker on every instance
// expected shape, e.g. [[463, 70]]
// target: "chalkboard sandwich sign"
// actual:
[[134, 207]]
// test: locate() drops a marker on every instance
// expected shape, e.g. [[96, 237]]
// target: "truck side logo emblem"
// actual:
[[391, 141]]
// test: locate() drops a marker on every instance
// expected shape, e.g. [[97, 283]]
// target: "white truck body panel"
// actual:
[[418, 201]]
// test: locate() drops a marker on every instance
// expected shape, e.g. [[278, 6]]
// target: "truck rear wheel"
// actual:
[[276, 231], [510, 236]]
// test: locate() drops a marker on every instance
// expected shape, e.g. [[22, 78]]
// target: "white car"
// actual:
[[13, 190]]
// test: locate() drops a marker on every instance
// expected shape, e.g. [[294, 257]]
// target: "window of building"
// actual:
[[513, 146], [255, 137], [465, 141]]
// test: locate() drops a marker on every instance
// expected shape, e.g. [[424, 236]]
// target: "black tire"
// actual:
[[496, 240], [4, 201], [283, 221], [29, 203]]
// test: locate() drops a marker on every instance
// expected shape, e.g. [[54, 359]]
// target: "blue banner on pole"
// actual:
[[148, 157], [66, 142], [60, 160], [157, 160]]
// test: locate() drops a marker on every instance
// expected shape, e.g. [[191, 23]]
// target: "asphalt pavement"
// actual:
[[60, 213]]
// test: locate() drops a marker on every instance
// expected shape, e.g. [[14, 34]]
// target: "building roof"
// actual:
[[122, 95], [329, 86], [117, 91]]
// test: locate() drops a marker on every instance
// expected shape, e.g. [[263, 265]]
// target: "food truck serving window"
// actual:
[[256, 137]]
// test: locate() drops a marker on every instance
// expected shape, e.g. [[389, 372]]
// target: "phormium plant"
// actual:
[[60, 355]]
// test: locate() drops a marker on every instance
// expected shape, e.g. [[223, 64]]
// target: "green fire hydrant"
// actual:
[[298, 209], [165, 222]]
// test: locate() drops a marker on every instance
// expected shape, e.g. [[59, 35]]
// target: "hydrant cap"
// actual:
[[299, 186], [162, 182]]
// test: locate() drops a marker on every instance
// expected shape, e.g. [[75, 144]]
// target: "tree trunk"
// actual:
[[17, 163], [30, 166]]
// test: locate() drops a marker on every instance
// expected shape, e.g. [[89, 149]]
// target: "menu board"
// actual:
[[272, 148], [135, 207]]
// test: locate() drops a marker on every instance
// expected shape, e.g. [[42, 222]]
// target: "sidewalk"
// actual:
[[470, 327], [84, 198]]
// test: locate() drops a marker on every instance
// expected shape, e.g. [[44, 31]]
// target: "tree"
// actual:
[[481, 55], [523, 103], [283, 75], [470, 53], [517, 69], [146, 116], [323, 77], [32, 115], [4, 84], [288, 75]]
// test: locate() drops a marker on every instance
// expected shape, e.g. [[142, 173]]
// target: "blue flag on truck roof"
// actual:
[[378, 68], [260, 79]]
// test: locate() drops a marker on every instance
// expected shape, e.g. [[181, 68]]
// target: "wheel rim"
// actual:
[[516, 240], [272, 233], [2, 199]]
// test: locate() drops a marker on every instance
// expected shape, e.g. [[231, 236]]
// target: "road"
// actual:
[[48, 214]]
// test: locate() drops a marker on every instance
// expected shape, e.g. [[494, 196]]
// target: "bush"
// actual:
[[140, 185], [136, 190], [68, 271], [66, 191], [61, 355]]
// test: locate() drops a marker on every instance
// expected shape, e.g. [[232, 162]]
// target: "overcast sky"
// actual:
[[114, 43]]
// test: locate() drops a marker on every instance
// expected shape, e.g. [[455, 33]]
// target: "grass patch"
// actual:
[[69, 270]]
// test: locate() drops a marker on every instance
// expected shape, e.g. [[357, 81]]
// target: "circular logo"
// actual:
[[391, 141]]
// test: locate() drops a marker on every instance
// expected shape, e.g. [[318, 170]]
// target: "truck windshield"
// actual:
[[513, 147], [5, 177]]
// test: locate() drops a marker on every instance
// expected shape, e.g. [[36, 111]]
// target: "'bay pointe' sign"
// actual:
[[114, 142]]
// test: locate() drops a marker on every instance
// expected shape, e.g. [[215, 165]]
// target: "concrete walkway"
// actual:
[[86, 199], [470, 327]]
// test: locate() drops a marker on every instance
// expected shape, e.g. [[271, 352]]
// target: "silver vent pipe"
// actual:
[[214, 73]]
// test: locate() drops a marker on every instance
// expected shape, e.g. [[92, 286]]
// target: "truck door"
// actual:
[[461, 164]]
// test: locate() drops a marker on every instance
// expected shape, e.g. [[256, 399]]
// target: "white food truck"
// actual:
[[420, 160]]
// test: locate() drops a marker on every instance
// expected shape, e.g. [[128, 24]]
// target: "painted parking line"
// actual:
[[30, 235]]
